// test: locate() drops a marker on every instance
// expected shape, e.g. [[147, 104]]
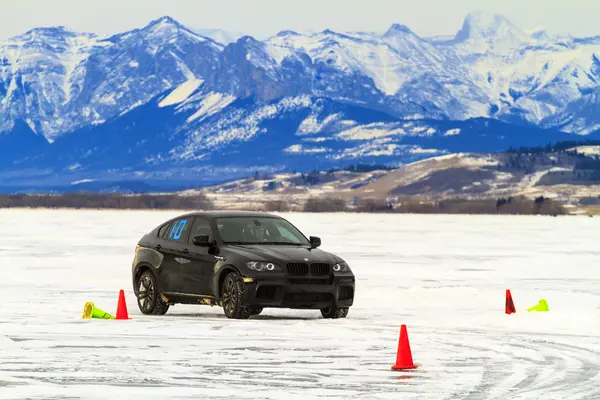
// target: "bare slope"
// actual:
[[568, 177]]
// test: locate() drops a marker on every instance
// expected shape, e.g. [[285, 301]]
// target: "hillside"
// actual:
[[566, 176]]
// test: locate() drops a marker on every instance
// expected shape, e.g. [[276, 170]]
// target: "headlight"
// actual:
[[341, 267], [262, 266]]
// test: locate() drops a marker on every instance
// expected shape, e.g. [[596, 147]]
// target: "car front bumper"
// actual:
[[287, 293]]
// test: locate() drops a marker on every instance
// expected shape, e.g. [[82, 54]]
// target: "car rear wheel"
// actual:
[[233, 297], [148, 297], [334, 312]]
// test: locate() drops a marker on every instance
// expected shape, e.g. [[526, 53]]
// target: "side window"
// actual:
[[201, 227], [179, 230], [163, 230]]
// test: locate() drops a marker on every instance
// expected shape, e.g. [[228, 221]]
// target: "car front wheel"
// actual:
[[334, 312], [233, 297], [148, 297]]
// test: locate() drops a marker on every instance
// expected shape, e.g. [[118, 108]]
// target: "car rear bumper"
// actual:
[[285, 293]]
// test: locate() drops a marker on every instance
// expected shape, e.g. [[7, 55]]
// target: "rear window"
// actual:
[[178, 231], [163, 230]]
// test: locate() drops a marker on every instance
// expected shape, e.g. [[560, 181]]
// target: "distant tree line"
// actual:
[[519, 206], [315, 177], [367, 168], [588, 163], [540, 205], [81, 200], [528, 160], [516, 206], [558, 147], [311, 178], [325, 204]]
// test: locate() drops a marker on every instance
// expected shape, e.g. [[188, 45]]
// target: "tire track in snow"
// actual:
[[550, 368], [578, 378]]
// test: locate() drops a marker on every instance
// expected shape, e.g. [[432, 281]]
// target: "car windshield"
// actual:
[[261, 230]]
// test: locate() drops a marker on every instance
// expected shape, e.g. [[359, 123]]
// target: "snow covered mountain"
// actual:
[[205, 137], [167, 98], [58, 81], [488, 33], [219, 35]]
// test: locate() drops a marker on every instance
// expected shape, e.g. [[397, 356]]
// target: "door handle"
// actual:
[[158, 247], [185, 251]]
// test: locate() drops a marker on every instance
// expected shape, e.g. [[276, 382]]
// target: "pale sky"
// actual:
[[262, 18]]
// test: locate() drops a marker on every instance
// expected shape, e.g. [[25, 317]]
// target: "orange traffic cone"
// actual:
[[122, 307], [510, 305], [404, 356]]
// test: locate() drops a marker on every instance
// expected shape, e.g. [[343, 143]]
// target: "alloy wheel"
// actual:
[[229, 296], [146, 294]]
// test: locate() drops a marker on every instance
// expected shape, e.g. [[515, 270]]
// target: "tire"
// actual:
[[148, 297], [255, 310], [334, 312], [233, 297]]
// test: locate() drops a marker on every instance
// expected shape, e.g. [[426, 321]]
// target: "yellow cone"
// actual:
[[541, 306], [91, 311]]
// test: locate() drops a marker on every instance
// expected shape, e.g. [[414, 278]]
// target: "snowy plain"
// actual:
[[443, 276]]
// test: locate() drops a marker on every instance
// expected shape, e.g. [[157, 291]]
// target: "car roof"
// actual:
[[228, 214]]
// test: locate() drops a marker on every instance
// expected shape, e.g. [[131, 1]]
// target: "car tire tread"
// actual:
[[334, 312], [159, 307], [241, 308]]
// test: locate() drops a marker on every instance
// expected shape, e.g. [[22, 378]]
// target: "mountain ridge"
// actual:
[[388, 82], [175, 98]]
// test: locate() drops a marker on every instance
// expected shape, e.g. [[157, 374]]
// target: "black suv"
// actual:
[[242, 261]]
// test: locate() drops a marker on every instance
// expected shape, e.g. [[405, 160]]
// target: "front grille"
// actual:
[[309, 281], [319, 269], [297, 269], [307, 297]]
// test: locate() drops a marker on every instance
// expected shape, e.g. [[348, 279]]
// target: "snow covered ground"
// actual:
[[445, 277]]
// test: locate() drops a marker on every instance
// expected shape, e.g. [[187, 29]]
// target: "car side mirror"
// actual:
[[315, 242], [201, 240]]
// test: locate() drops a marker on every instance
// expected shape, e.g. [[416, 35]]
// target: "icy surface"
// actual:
[[443, 276]]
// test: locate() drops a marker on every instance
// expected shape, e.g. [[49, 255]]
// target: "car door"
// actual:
[[177, 261], [200, 271]]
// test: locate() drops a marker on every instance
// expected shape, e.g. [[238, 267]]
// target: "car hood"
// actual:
[[282, 254]]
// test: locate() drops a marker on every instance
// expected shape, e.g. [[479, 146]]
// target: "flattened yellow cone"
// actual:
[[91, 311], [541, 306]]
